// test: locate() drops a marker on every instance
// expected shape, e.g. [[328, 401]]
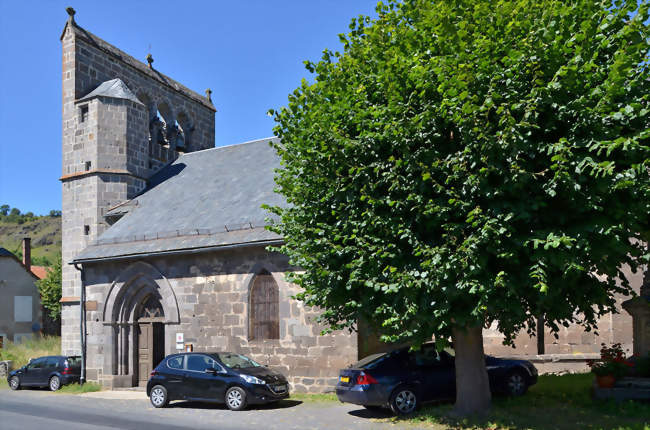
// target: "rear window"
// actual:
[[175, 362], [364, 362], [74, 361]]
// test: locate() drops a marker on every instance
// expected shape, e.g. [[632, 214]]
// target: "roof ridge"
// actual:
[[187, 154], [129, 60]]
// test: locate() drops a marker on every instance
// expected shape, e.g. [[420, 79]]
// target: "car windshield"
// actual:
[[367, 360], [237, 361]]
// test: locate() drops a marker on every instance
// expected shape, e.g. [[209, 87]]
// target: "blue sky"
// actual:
[[249, 52]]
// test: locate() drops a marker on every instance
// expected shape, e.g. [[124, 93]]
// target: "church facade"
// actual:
[[164, 240]]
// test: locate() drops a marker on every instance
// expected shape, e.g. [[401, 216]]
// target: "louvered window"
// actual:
[[264, 310]]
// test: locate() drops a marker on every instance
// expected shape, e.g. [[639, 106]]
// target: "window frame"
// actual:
[[176, 368], [187, 362]]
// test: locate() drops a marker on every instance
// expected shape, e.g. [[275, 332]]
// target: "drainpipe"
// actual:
[[82, 324]]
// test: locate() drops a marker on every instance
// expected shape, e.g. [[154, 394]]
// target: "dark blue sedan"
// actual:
[[402, 379]]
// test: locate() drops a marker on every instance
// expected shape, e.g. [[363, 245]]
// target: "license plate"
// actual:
[[280, 388], [345, 379]]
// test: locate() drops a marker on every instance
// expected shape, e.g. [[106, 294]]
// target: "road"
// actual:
[[43, 410]]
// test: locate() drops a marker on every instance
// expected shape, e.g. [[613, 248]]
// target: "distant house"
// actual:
[[20, 303]]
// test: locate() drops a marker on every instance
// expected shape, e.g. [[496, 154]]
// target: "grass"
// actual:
[[88, 387], [556, 402], [20, 353]]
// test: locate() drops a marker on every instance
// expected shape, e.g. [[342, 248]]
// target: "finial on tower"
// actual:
[[71, 12], [208, 95], [150, 60]]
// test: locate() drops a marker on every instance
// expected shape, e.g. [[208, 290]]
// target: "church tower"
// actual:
[[122, 121]]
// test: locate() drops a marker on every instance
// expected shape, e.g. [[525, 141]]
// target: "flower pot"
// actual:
[[605, 381]]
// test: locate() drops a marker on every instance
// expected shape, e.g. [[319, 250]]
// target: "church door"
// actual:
[[151, 339], [145, 352]]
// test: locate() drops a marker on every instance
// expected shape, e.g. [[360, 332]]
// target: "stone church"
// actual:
[[164, 239]]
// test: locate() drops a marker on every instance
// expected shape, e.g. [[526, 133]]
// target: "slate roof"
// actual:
[[114, 88], [204, 199], [6, 253]]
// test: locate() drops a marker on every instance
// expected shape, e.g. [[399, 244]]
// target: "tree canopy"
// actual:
[[50, 289], [461, 163]]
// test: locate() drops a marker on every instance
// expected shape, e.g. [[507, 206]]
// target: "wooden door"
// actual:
[[145, 352]]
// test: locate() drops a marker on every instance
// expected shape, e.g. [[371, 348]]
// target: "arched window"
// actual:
[[185, 129], [264, 308]]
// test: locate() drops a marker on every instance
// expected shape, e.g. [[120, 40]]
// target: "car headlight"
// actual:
[[252, 380]]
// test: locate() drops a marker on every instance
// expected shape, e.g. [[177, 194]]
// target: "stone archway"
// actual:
[[139, 305]]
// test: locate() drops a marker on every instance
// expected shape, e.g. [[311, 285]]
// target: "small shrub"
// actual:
[[612, 362]]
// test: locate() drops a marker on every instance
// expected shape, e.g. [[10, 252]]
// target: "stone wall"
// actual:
[[572, 340], [212, 294], [106, 151]]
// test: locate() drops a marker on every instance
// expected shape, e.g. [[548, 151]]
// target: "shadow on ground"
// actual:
[[281, 404], [371, 413]]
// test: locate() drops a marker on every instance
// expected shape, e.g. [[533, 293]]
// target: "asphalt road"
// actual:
[[43, 410]]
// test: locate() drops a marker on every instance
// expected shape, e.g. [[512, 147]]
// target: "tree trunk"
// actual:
[[473, 395]]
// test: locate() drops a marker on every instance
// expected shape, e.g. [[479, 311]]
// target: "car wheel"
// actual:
[[158, 396], [403, 401], [14, 383], [55, 383], [516, 383], [236, 398]]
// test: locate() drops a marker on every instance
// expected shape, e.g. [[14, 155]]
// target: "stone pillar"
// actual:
[[639, 308]]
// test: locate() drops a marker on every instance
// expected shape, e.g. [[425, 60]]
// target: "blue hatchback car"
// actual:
[[402, 379], [52, 372], [221, 377]]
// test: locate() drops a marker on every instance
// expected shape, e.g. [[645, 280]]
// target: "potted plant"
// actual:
[[611, 366]]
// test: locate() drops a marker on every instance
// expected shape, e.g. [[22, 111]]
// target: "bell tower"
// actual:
[[122, 121]]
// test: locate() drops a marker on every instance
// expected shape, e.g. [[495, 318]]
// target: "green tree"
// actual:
[[462, 163], [4, 210], [50, 289]]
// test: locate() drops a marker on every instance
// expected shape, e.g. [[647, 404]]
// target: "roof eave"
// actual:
[[198, 250]]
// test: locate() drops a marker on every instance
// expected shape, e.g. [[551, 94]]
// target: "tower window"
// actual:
[[88, 164], [84, 113], [86, 230]]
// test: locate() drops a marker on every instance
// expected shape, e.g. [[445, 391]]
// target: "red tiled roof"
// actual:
[[39, 271]]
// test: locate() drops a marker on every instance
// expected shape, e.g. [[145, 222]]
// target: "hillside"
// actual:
[[45, 232]]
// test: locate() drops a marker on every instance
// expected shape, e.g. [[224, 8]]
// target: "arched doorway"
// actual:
[[140, 307], [150, 335]]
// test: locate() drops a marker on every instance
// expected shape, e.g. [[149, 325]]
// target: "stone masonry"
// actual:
[[108, 152], [210, 292]]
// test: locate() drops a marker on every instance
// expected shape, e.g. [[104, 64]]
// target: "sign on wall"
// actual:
[[179, 341]]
